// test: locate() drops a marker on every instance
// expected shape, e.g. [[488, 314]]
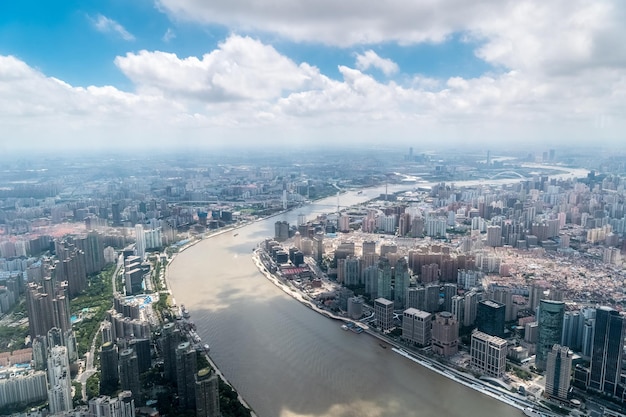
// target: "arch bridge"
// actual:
[[507, 174]]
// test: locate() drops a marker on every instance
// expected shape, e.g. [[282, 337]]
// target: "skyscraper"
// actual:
[[48, 307], [608, 348], [129, 371], [169, 341], [431, 299], [401, 282], [384, 278], [470, 306], [449, 291], [558, 370], [109, 379], [140, 245], [59, 380], [415, 298], [550, 319], [490, 317], [186, 368], [207, 393]]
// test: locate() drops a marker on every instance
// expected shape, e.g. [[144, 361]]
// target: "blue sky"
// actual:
[[436, 71], [60, 39]]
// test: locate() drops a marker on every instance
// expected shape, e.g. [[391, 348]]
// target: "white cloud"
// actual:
[[371, 59], [241, 68], [105, 25], [169, 35], [245, 90], [556, 36]]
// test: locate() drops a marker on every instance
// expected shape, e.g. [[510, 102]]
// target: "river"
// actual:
[[287, 360]]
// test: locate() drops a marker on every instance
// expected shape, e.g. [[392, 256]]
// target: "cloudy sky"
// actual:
[[156, 73]]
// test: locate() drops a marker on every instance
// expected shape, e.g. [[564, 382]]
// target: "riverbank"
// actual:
[[219, 373], [514, 400]]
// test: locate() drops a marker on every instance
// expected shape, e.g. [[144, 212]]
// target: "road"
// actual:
[[89, 369]]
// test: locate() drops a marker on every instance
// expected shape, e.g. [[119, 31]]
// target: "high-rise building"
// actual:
[[186, 368], [370, 276], [59, 380], [490, 317], [369, 247], [588, 328], [140, 241], [445, 334], [71, 266], [504, 295], [92, 246], [109, 379], [470, 308], [384, 278], [23, 388], [142, 350], [536, 293], [40, 352], [431, 299], [383, 313], [488, 354], [550, 320], [169, 341], [121, 406], [207, 393], [415, 298], [458, 308], [116, 214], [572, 330], [129, 371], [449, 291], [352, 270], [401, 282], [608, 350], [318, 247], [281, 231], [417, 326], [558, 370], [48, 307], [494, 236], [355, 307]]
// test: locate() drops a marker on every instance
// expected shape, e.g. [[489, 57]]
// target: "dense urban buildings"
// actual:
[[529, 261]]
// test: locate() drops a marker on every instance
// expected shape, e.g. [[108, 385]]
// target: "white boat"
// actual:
[[344, 327]]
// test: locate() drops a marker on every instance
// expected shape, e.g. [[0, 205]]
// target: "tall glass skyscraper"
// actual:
[[608, 347], [550, 319], [490, 317]]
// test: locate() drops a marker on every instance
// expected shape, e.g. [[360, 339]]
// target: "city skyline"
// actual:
[[189, 74]]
